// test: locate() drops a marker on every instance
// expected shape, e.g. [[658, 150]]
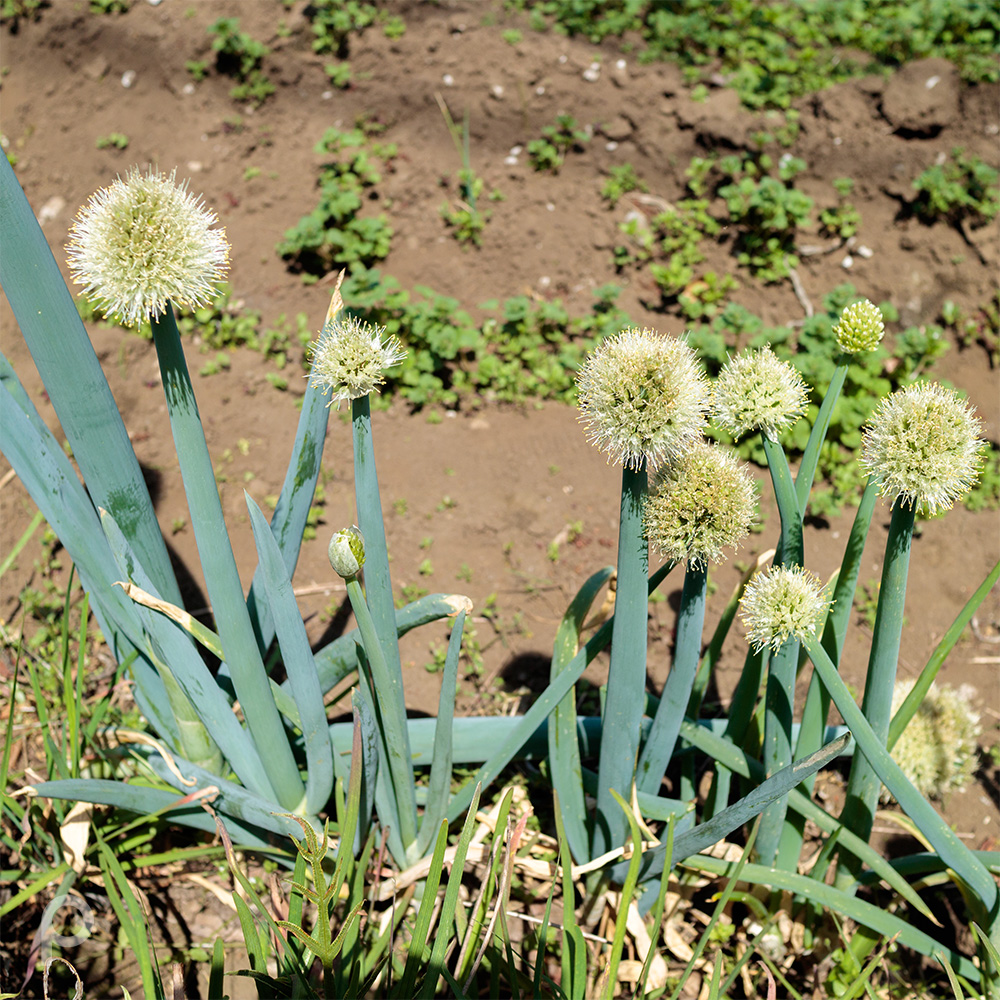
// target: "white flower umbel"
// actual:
[[779, 603], [143, 242], [938, 749], [350, 358], [757, 391], [642, 396], [860, 327], [922, 446], [699, 504]]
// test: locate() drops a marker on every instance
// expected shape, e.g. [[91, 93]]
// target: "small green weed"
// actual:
[[334, 21], [117, 139], [768, 213], [622, 178], [334, 234], [466, 220], [843, 219], [13, 11], [981, 327], [549, 152], [960, 189], [339, 73], [240, 56]]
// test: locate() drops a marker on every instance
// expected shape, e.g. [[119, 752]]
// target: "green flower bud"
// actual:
[[350, 357], [642, 396], [922, 446], [143, 242], [938, 749], [347, 552], [779, 603], [699, 504], [757, 391], [860, 327]]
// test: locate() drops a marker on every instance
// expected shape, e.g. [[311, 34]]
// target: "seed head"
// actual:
[[781, 602], [642, 396], [860, 327], [757, 391], [347, 552], [143, 242], [938, 749], [922, 445], [699, 504], [350, 357]]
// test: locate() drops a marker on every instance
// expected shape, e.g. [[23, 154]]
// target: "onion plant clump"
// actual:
[[264, 756]]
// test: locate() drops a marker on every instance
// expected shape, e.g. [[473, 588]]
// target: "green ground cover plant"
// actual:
[[961, 189], [772, 53], [335, 234], [239, 56], [278, 775], [549, 152]]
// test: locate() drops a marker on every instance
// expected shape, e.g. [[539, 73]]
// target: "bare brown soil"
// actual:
[[483, 493]]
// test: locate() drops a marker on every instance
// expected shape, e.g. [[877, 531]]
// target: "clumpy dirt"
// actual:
[[483, 494]]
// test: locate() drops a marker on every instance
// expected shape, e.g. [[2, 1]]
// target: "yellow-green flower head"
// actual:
[[350, 358], [782, 602], [699, 504], [860, 327], [922, 446], [347, 552], [143, 242], [938, 749], [757, 391], [642, 396]]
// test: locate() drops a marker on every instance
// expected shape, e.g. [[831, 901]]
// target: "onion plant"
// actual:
[[264, 754]]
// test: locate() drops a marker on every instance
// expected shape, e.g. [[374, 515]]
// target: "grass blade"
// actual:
[[422, 924], [626, 897], [439, 783], [717, 912], [563, 742], [443, 938]]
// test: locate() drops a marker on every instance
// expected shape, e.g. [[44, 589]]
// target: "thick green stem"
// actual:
[[777, 750], [863, 784], [627, 671], [662, 739], [395, 734], [779, 699], [816, 710], [225, 592], [789, 510], [379, 604]]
